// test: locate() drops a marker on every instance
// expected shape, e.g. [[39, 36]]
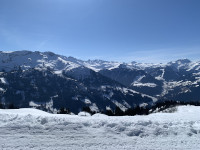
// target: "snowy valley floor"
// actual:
[[34, 129]]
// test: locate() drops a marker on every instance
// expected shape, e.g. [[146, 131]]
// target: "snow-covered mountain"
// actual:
[[45, 78], [181, 79], [28, 59], [41, 60], [53, 81], [37, 60]]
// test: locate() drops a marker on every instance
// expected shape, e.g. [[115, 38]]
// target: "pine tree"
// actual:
[[118, 111], [1, 106], [87, 109], [109, 113], [64, 111]]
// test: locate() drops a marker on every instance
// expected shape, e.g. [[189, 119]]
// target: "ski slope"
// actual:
[[35, 129]]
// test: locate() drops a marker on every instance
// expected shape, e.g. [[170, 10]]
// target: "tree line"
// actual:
[[137, 110], [8, 106], [170, 106]]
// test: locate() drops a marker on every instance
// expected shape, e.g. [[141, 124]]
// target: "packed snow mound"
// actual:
[[99, 115], [24, 112], [84, 114], [35, 129], [156, 124]]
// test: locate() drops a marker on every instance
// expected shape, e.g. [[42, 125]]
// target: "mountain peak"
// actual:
[[183, 61], [180, 61]]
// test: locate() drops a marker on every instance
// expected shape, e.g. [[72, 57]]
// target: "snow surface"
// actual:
[[35, 129]]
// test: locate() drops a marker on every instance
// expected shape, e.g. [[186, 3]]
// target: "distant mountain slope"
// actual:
[[138, 80], [32, 87], [44, 78], [38, 60]]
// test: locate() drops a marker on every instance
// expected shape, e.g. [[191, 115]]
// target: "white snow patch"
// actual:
[[121, 106], [2, 90], [3, 80], [33, 104], [144, 84], [86, 101], [84, 114], [108, 108], [143, 105], [94, 107]]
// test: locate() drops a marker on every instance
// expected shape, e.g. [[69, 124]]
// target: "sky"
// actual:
[[149, 31]]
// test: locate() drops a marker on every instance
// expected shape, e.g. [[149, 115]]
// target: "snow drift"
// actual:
[[35, 129]]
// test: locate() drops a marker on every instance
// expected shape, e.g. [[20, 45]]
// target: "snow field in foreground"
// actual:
[[35, 129]]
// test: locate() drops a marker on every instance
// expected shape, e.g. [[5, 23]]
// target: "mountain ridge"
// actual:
[[96, 64], [98, 84]]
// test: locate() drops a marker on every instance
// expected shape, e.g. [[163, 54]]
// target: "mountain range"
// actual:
[[52, 81]]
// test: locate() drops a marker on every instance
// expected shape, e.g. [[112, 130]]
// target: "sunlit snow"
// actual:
[[35, 129]]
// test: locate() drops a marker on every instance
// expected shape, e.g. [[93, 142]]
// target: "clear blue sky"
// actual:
[[119, 30]]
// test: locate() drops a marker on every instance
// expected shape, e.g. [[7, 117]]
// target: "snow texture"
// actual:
[[35, 129]]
